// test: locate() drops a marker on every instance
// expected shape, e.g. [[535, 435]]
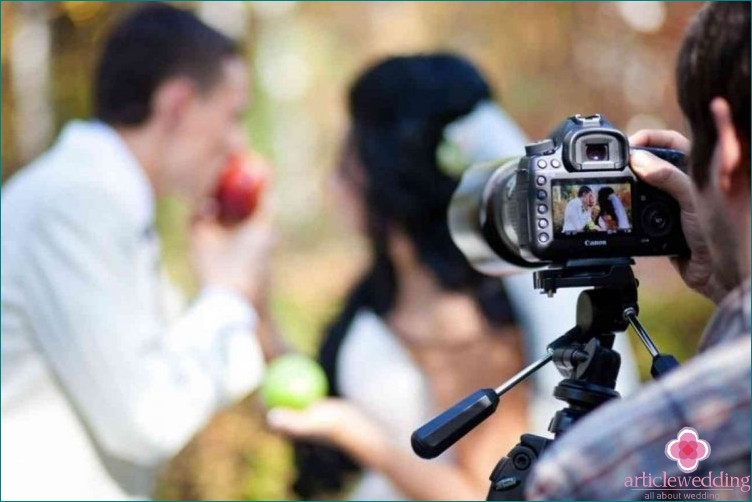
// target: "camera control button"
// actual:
[[542, 208], [656, 220], [555, 164], [543, 238], [542, 163], [540, 180], [542, 223], [540, 195]]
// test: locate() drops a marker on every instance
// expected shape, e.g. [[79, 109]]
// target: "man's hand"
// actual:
[[697, 271], [235, 257]]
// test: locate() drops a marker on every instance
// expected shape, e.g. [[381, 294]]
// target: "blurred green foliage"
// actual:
[[675, 322]]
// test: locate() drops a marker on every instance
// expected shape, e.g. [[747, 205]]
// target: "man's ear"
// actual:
[[727, 156], [172, 100]]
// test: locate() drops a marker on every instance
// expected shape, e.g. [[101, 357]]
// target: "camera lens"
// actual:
[[656, 220], [596, 151], [484, 218]]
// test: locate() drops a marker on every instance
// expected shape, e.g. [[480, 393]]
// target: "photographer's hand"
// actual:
[[696, 271]]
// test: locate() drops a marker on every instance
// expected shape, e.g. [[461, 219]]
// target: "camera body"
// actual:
[[588, 153], [572, 196]]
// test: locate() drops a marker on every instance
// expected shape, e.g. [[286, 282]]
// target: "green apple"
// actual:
[[293, 381]]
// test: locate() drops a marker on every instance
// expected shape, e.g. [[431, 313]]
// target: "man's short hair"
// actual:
[[152, 44], [714, 62], [583, 190]]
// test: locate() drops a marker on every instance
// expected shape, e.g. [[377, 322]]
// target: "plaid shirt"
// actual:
[[626, 438]]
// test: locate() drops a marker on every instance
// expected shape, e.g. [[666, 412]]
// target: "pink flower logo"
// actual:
[[688, 450]]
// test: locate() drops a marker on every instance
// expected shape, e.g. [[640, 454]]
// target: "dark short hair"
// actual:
[[714, 62], [583, 190], [150, 45]]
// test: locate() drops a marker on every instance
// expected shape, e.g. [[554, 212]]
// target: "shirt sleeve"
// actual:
[[570, 217], [142, 387]]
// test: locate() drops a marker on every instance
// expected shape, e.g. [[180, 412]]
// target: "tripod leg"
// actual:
[[509, 476]]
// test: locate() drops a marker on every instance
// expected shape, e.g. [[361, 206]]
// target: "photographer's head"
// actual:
[[712, 79], [713, 82], [176, 90]]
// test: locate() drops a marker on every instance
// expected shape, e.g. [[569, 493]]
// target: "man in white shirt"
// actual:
[[98, 388], [578, 212]]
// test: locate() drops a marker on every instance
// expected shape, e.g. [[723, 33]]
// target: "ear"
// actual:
[[172, 100], [728, 152]]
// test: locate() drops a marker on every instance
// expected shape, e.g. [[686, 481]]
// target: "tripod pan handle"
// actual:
[[433, 438], [662, 364]]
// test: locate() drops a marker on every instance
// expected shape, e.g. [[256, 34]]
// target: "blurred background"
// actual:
[[545, 60]]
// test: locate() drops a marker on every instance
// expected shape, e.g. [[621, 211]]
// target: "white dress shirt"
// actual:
[[99, 386], [576, 216]]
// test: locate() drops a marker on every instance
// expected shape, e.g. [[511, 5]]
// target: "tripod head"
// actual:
[[583, 355]]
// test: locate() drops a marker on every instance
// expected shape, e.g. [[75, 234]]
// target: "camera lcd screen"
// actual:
[[591, 206]]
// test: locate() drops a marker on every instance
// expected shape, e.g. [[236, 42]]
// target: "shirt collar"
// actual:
[[100, 141], [731, 320]]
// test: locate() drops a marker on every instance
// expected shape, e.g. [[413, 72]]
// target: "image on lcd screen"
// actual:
[[585, 206]]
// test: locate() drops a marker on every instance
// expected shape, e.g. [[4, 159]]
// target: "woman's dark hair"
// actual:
[[399, 109], [605, 204], [150, 45], [714, 61]]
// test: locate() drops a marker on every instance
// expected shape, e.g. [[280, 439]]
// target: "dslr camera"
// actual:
[[572, 196]]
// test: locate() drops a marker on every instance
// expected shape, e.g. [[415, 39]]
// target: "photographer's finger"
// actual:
[[660, 138], [663, 175]]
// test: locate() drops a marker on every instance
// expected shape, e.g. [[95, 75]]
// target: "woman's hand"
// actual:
[[697, 271], [338, 422]]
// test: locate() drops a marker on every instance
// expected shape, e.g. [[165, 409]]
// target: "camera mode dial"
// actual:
[[539, 147]]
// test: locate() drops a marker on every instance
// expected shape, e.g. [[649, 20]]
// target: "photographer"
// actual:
[[101, 384], [710, 393]]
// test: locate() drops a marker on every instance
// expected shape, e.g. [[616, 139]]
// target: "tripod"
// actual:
[[584, 356]]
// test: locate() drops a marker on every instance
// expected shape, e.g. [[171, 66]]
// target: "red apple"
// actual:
[[240, 187]]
